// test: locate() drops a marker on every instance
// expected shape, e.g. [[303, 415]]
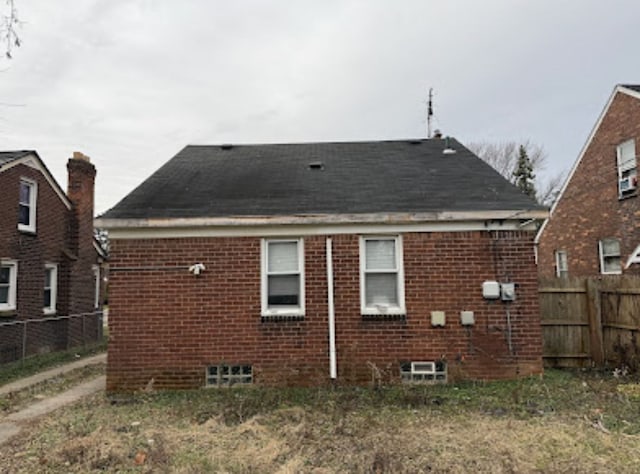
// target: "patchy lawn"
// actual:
[[564, 422], [37, 363]]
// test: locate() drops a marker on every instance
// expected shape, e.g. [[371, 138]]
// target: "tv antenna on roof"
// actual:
[[429, 112]]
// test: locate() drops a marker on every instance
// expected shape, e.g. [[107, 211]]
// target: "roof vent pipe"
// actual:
[[447, 147], [437, 133]]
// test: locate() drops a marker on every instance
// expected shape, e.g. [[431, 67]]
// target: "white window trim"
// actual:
[[264, 286], [52, 308], [602, 257], [560, 270], [33, 200], [400, 309], [13, 285], [631, 166], [633, 258], [96, 295]]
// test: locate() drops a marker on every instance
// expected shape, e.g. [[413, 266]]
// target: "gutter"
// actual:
[[316, 219]]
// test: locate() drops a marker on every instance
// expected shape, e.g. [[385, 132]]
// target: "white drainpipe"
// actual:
[[333, 364]]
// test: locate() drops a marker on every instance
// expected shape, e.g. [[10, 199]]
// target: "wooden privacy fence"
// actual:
[[590, 321]]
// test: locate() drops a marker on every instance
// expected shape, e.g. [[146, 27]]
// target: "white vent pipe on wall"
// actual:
[[333, 363]]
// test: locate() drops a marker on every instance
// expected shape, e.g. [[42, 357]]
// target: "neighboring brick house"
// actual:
[[49, 262], [594, 226], [299, 264]]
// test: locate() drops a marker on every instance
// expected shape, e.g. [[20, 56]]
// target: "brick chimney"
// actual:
[[80, 190]]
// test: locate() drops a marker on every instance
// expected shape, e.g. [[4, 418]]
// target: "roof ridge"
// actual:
[[330, 142]]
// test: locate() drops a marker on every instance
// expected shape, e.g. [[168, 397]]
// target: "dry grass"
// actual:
[[562, 423]]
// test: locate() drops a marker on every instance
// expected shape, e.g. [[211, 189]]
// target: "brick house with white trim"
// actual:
[[594, 226], [49, 260], [302, 264]]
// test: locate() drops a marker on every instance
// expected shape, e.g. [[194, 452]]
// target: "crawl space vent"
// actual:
[[229, 375], [424, 372]]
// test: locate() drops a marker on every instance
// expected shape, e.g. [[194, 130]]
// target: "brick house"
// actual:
[[49, 262], [594, 226], [299, 264]]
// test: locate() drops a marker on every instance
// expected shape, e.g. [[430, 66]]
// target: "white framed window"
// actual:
[[282, 291], [27, 205], [50, 288], [381, 275], [96, 282], [609, 250], [8, 284], [627, 167], [562, 265]]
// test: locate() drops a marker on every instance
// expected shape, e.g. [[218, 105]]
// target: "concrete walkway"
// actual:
[[10, 425], [49, 374]]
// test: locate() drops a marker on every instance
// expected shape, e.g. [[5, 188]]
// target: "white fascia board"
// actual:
[[630, 92], [595, 128], [320, 225], [33, 161]]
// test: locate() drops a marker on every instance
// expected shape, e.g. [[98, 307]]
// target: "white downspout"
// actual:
[[333, 364]]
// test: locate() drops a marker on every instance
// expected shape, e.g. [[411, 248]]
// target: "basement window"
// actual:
[[424, 372], [610, 263], [229, 375]]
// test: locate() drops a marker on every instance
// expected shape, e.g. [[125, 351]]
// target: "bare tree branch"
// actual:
[[503, 157], [548, 194], [8, 28]]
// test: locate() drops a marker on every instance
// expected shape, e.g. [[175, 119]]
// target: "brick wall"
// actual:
[[168, 325], [53, 242], [590, 209], [32, 251]]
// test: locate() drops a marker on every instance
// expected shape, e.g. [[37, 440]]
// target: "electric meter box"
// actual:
[[508, 291], [437, 318], [466, 318], [491, 290]]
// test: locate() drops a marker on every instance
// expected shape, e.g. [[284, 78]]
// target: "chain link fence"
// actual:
[[21, 339]]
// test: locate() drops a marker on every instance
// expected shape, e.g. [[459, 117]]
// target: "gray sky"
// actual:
[[130, 83]]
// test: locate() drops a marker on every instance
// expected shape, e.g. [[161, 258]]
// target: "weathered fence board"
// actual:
[[590, 321]]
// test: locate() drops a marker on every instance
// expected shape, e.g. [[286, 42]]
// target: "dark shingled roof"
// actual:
[[632, 87], [321, 178], [9, 156]]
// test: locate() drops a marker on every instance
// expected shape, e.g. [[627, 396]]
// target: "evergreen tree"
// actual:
[[523, 173]]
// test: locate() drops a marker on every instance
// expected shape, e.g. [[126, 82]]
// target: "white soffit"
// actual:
[[318, 225]]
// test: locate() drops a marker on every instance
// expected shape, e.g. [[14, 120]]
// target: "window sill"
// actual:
[[8, 313], [275, 318], [627, 196], [49, 312], [384, 317]]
